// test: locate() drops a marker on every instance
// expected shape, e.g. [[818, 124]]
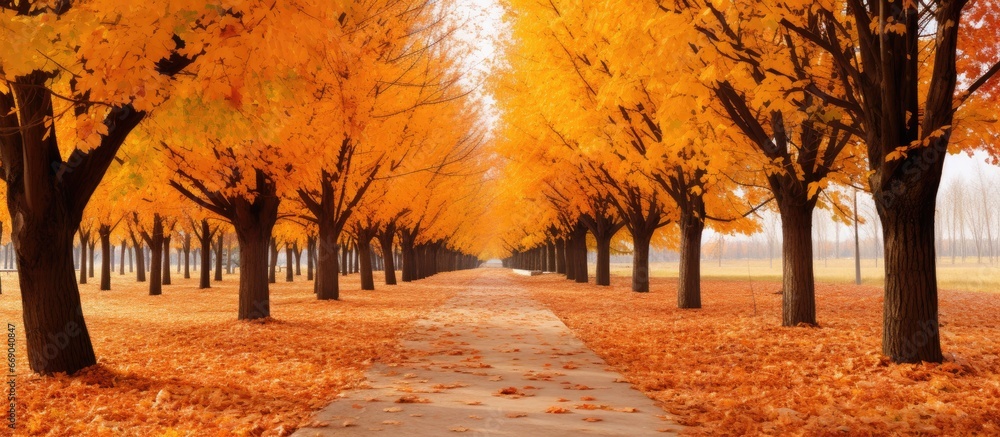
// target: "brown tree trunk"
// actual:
[[799, 292], [689, 279], [187, 255], [310, 256], [327, 262], [166, 260], [344, 260], [298, 258], [604, 227], [550, 260], [579, 257], [289, 259], [582, 269], [910, 320], [84, 236], [604, 260], [365, 263], [272, 275], [560, 256], [105, 233], [155, 242], [570, 254], [254, 241], [58, 340], [140, 261], [640, 260], [406, 241], [229, 257], [90, 267], [385, 238], [121, 267], [205, 238], [355, 267], [218, 256]]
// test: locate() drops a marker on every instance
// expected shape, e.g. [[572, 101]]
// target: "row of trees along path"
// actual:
[[684, 115], [344, 123]]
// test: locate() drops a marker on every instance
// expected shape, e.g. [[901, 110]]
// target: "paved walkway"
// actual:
[[492, 361]]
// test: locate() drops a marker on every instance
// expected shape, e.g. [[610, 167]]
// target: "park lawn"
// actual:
[[181, 364], [731, 369]]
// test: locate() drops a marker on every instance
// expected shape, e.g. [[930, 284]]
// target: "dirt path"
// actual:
[[492, 361]]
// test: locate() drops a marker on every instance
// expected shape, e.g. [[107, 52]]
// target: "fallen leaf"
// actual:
[[412, 399]]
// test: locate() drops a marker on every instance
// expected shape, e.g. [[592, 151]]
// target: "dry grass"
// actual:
[[731, 369], [968, 276], [181, 364]]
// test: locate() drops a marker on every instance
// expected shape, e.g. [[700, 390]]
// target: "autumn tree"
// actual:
[[78, 79], [913, 76]]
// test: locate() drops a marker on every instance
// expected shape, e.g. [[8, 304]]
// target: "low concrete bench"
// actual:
[[527, 272]]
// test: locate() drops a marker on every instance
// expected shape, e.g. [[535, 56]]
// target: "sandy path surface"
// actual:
[[492, 361]]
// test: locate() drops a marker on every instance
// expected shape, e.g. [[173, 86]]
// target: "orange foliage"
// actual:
[[182, 363], [730, 368]]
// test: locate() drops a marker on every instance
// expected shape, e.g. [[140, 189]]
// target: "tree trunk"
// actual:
[[640, 260], [254, 241], [298, 258], [229, 257], [56, 335], [550, 253], [582, 269], [155, 243], [604, 260], [218, 256], [105, 233], [344, 261], [571, 262], [385, 238], [121, 268], [910, 320], [604, 227], [580, 273], [355, 267], [327, 262], [140, 261], [310, 256], [560, 256], [187, 254], [166, 260], [799, 293], [406, 241], [272, 276], [289, 259], [205, 238], [365, 263], [689, 279], [83, 256], [90, 267]]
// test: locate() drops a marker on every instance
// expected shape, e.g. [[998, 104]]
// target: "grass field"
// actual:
[[968, 276]]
